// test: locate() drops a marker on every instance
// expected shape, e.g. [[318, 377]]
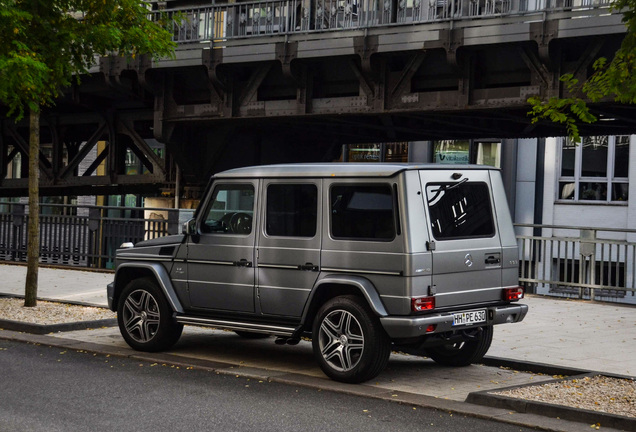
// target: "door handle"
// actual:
[[243, 263], [493, 260], [308, 267]]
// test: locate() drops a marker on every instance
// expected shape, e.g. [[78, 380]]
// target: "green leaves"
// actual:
[[615, 80], [46, 44]]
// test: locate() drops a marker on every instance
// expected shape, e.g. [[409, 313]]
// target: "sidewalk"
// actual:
[[567, 333], [73, 286], [557, 333]]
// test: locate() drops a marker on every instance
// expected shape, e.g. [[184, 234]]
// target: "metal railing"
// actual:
[[83, 236], [565, 261], [579, 262], [225, 21]]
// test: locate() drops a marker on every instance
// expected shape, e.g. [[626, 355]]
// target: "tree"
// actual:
[[615, 79], [48, 44]]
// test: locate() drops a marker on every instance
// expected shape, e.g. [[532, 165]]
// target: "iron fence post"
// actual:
[[18, 214], [587, 249]]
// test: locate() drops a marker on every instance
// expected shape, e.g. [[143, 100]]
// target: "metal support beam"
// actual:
[[540, 70], [403, 85], [81, 155], [45, 165], [143, 151]]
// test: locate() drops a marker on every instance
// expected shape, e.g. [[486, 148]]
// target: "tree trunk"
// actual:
[[33, 228]]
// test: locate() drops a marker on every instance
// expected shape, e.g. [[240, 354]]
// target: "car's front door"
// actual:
[[220, 259]]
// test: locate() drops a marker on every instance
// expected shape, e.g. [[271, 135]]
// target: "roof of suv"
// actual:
[[338, 169]]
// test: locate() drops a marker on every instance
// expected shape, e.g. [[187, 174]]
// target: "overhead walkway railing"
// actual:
[[260, 18], [578, 262]]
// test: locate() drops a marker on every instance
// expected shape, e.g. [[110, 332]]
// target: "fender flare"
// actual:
[[365, 286], [161, 276]]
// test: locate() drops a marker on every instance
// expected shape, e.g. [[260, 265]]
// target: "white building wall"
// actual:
[[587, 215]]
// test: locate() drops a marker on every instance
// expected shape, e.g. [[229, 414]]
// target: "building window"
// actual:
[[451, 152], [595, 170], [378, 152], [480, 152]]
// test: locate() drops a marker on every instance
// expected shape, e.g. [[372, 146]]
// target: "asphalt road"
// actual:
[[49, 389]]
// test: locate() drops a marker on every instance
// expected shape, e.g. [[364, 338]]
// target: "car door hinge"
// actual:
[[430, 245]]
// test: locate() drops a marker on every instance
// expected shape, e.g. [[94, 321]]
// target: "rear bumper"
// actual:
[[409, 327]]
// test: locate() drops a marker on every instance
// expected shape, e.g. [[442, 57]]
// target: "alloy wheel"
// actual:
[[341, 340], [141, 316]]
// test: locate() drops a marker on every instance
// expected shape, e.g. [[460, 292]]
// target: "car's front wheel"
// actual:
[[348, 340], [145, 318]]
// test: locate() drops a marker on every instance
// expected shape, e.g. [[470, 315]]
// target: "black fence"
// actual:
[[83, 236]]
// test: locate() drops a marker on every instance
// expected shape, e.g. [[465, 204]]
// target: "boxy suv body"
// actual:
[[362, 258]]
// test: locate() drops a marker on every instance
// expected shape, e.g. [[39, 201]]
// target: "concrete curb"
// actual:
[[493, 413], [56, 300], [539, 368], [553, 410], [42, 329]]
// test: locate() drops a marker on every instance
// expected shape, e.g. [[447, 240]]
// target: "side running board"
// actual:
[[237, 325]]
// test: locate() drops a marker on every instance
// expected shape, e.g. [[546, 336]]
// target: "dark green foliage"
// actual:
[[615, 79]]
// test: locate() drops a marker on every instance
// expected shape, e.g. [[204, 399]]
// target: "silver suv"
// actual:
[[361, 258]]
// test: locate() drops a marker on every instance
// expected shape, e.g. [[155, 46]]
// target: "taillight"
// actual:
[[513, 294], [422, 303]]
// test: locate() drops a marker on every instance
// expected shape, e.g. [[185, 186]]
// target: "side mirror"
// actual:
[[189, 227]]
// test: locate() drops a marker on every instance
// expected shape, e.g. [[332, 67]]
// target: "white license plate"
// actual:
[[468, 318]]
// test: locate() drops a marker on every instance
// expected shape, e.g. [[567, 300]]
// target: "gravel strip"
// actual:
[[599, 393], [47, 313]]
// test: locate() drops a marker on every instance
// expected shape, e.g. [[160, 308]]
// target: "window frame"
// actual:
[[578, 179]]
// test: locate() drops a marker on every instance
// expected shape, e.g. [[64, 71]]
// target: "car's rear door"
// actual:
[[465, 244]]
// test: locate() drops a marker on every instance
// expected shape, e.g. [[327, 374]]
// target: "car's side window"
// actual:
[[231, 210], [292, 210], [362, 212]]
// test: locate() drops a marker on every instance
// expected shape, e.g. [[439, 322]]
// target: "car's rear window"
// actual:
[[460, 210]]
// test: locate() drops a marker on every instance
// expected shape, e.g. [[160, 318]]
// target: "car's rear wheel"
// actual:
[[463, 353], [348, 340], [145, 318]]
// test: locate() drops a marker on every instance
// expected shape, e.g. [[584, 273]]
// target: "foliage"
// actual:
[[615, 79], [46, 44]]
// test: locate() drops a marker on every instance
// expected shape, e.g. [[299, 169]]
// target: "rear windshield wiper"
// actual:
[[445, 188]]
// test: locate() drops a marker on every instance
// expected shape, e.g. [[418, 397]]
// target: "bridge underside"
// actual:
[[214, 108]]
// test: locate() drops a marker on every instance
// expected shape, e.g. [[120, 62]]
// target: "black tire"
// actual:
[[251, 335], [338, 324], [463, 353], [145, 317]]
